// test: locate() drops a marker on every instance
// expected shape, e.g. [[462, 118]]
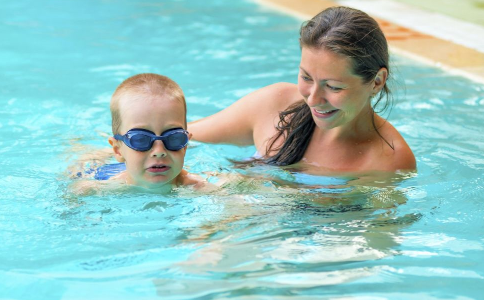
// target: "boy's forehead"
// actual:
[[130, 99], [137, 103]]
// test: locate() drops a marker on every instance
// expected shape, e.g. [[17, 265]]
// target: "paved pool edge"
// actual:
[[426, 48]]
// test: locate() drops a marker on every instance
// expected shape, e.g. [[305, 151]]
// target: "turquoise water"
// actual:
[[420, 238]]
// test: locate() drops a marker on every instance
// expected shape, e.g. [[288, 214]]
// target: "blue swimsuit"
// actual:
[[107, 171]]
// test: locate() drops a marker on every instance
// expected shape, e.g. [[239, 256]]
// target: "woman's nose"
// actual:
[[316, 96], [158, 149]]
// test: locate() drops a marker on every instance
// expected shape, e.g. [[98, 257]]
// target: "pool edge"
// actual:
[[449, 56]]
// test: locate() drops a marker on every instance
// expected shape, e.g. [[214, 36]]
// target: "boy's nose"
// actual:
[[158, 149]]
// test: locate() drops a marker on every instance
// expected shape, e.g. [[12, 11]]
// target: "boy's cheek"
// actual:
[[118, 155]]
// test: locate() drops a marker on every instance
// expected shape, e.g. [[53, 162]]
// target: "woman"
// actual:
[[327, 120]]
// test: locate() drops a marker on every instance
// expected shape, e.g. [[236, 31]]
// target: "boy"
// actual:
[[149, 136]]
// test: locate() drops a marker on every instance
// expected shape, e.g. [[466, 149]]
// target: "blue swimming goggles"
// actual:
[[142, 139]]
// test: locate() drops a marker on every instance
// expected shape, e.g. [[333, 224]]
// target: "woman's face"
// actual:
[[334, 94]]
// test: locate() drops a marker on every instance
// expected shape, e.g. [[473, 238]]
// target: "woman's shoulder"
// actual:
[[274, 97], [264, 104], [265, 113], [282, 87], [404, 159], [397, 151], [281, 94], [265, 101]]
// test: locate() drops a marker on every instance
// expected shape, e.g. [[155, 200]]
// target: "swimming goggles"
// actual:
[[142, 139]]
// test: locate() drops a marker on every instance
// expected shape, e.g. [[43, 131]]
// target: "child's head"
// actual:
[[141, 106]]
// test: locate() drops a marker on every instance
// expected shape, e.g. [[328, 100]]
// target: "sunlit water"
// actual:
[[416, 238]]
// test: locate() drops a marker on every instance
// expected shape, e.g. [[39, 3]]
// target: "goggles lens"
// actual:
[[142, 139]]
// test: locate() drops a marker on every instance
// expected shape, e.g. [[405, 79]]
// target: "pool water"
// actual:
[[417, 236]]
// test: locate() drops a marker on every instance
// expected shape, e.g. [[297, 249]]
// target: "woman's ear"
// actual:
[[117, 153], [380, 80]]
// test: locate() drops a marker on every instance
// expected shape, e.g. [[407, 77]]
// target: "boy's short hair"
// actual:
[[146, 83]]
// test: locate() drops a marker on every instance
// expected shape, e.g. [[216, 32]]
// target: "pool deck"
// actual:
[[427, 36]]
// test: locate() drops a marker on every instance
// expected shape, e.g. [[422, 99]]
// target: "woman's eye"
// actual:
[[334, 88], [305, 78]]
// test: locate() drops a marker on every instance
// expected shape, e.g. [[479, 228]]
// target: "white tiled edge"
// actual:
[[435, 24]]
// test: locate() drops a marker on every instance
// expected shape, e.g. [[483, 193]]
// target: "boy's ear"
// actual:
[[117, 153]]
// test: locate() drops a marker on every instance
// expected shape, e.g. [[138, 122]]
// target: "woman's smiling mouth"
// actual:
[[324, 113]]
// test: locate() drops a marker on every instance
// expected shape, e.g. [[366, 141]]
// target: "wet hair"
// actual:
[[141, 85], [350, 33]]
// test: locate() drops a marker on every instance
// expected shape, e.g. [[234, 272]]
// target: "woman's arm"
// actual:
[[249, 119], [232, 125]]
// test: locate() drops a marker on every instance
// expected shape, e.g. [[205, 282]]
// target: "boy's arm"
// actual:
[[83, 187]]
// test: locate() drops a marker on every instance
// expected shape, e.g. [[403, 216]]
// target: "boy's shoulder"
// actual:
[[196, 181]]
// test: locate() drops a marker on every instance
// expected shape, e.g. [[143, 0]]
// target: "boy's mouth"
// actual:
[[158, 168]]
